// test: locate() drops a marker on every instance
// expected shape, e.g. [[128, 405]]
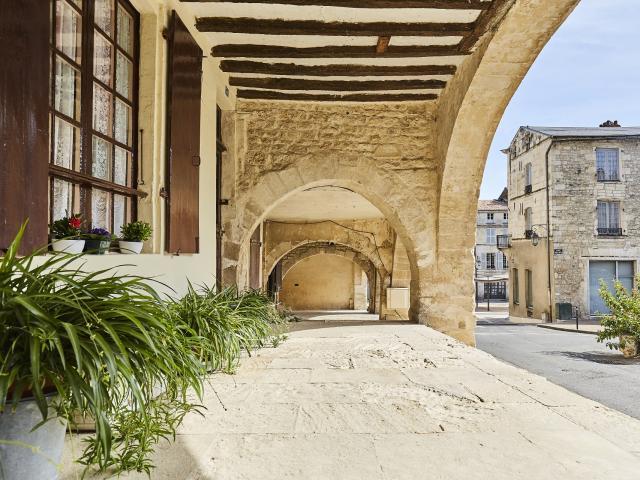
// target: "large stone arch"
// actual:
[[402, 198], [469, 112]]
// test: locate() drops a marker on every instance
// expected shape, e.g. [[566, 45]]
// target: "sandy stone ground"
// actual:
[[393, 401]]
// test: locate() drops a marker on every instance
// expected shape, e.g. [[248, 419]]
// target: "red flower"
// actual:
[[75, 222]]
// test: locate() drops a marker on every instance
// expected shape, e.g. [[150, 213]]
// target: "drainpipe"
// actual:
[[546, 165]]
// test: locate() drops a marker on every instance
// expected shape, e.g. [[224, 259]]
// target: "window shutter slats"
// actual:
[[24, 122], [184, 86]]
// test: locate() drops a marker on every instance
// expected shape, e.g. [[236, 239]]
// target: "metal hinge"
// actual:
[[165, 33], [164, 193], [195, 160]]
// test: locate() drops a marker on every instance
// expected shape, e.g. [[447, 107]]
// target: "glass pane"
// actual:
[[67, 92], [102, 59], [68, 30], [123, 122], [124, 75], [102, 102], [100, 211], [125, 30], [119, 213], [104, 15], [66, 148], [122, 167], [62, 198], [101, 167]]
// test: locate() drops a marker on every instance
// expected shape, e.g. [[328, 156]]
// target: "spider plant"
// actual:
[[103, 343], [230, 322]]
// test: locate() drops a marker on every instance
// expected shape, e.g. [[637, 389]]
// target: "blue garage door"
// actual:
[[608, 271]]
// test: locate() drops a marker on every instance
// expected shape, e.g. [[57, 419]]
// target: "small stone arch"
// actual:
[[304, 251]]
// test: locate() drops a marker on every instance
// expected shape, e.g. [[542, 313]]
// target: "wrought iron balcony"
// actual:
[[528, 233], [603, 176], [528, 189], [503, 242], [609, 232]]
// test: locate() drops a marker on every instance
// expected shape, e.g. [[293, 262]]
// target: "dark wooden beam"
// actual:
[[487, 20], [444, 4], [383, 44], [335, 70], [353, 97], [346, 51], [259, 26], [334, 85]]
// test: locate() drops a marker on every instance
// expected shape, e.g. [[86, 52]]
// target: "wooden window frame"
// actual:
[[516, 287], [83, 182]]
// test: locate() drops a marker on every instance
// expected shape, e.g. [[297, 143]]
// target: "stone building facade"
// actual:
[[574, 210], [492, 269]]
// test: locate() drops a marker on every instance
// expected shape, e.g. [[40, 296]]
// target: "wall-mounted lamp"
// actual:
[[535, 236]]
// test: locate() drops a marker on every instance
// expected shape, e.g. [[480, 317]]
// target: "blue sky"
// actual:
[[589, 72]]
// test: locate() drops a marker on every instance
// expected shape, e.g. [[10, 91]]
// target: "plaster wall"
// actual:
[[321, 282]]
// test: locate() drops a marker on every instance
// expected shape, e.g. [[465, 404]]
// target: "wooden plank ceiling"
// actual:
[[343, 50]]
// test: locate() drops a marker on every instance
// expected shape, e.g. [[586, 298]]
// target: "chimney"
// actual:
[[610, 124]]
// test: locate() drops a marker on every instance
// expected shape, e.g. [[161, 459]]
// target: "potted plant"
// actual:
[[133, 236], [65, 234], [93, 344], [97, 241], [623, 321]]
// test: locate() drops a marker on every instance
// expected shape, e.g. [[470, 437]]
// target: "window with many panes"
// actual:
[[490, 217], [94, 68], [490, 236], [491, 261], [607, 164], [609, 218]]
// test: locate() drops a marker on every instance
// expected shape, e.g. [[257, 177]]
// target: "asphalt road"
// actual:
[[574, 360]]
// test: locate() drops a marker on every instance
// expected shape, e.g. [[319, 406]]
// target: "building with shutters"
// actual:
[[492, 269], [574, 217], [252, 134]]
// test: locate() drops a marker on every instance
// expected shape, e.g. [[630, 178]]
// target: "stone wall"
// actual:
[[575, 192]]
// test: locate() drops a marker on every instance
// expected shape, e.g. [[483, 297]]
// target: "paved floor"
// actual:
[[337, 315], [394, 401], [573, 360]]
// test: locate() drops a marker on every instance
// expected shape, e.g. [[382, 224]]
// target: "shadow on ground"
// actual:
[[598, 357]]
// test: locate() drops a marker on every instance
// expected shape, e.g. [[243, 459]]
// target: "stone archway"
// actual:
[[312, 249]]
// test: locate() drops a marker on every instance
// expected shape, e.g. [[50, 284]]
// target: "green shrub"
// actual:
[[103, 343], [624, 318], [136, 232], [230, 322]]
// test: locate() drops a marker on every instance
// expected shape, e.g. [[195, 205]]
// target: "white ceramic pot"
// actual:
[[67, 246], [130, 247]]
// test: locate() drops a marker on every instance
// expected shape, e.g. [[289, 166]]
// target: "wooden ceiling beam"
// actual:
[[486, 21], [249, 25], [345, 51], [335, 85], [383, 44], [353, 97], [440, 4], [335, 70]]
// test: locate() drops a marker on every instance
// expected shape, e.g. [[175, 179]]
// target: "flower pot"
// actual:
[[67, 245], [629, 346], [130, 247], [96, 247], [30, 454]]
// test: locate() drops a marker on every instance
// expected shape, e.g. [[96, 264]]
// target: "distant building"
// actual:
[[574, 217], [491, 264]]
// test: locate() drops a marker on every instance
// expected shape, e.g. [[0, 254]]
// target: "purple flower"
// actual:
[[101, 232]]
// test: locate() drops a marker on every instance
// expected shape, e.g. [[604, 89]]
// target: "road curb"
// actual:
[[570, 330]]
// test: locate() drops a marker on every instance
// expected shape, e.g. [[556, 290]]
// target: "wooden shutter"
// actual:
[[24, 122], [183, 138]]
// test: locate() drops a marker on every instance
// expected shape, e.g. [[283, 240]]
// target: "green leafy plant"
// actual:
[[624, 319], [67, 227], [136, 232], [104, 344], [230, 322]]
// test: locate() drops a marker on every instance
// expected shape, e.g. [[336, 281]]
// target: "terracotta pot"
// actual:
[[130, 247], [67, 245], [629, 346]]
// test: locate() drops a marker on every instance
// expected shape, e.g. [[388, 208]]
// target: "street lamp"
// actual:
[[535, 237]]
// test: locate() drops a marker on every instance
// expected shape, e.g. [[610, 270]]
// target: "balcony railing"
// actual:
[[609, 232], [503, 242], [528, 233], [603, 176], [528, 189]]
